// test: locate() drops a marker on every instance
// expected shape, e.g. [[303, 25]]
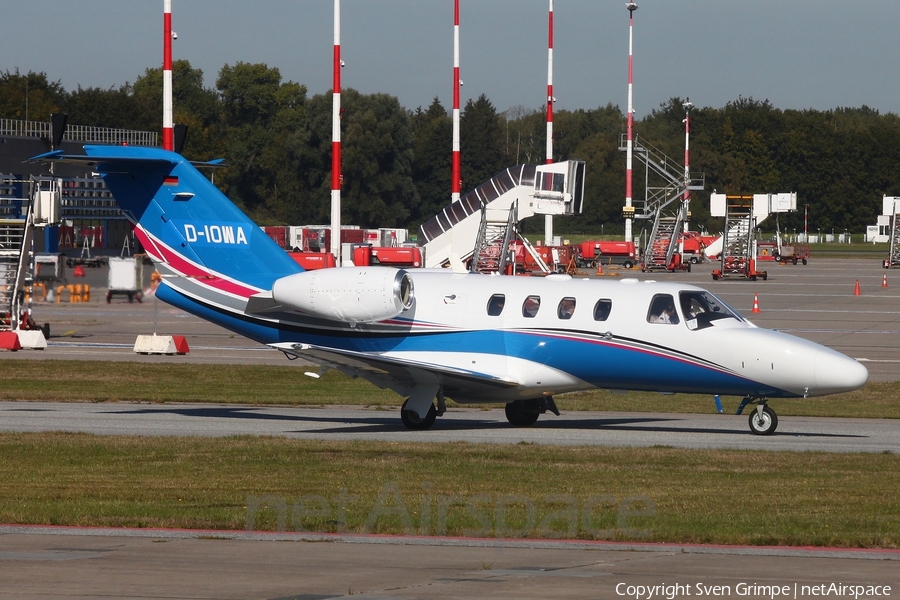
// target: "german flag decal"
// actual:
[[170, 180]]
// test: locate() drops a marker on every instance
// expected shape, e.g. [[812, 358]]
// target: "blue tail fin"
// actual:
[[185, 223]]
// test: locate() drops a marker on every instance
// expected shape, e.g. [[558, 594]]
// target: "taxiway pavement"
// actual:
[[472, 425], [75, 564]]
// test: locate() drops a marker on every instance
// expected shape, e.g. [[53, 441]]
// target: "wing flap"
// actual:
[[379, 368]]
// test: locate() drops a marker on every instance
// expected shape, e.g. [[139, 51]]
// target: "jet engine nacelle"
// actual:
[[350, 294]]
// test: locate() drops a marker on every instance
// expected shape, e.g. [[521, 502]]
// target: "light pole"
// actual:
[[629, 155]]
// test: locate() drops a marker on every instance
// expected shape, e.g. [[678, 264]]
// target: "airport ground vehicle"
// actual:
[[590, 253]]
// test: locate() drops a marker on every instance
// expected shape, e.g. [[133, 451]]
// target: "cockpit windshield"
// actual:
[[701, 308]]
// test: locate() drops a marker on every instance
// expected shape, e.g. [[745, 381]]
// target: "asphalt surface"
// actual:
[[64, 563], [814, 301], [457, 425]]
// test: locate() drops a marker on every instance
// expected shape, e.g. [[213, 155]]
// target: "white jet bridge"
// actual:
[[507, 198]]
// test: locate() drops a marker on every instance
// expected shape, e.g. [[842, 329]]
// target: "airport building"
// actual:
[[90, 214]]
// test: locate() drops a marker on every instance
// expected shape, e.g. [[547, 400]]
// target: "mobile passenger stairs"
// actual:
[[743, 214], [17, 258], [738, 255], [893, 259], [483, 224], [666, 203]]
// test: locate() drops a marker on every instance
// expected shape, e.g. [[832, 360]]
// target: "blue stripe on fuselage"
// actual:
[[602, 363]]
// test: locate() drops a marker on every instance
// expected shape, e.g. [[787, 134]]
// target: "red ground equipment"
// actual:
[[589, 253]]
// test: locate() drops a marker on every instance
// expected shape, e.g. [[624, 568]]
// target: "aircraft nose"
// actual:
[[836, 373]]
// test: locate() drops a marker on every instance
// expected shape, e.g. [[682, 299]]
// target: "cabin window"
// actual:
[[531, 306], [602, 309], [495, 305], [700, 309], [662, 310], [566, 308]]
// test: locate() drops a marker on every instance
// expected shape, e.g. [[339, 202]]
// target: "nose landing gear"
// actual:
[[763, 420]]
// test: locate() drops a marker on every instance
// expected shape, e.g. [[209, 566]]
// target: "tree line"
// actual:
[[276, 139]]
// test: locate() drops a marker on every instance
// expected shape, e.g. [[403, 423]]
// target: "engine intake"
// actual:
[[350, 294]]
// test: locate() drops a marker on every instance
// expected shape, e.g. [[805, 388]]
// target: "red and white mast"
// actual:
[[336, 140], [455, 170], [629, 155], [548, 219], [168, 131], [687, 160]]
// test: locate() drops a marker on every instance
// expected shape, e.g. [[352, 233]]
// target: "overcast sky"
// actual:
[[817, 54]]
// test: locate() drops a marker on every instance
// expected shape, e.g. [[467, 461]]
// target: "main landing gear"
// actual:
[[413, 421], [520, 413], [763, 420], [525, 413]]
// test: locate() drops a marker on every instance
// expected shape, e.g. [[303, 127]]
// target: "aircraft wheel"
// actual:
[[764, 425], [414, 421], [518, 413]]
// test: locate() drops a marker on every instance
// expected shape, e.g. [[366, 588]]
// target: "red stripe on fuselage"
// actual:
[[189, 269]]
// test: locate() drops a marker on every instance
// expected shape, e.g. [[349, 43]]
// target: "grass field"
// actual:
[[652, 494], [89, 381]]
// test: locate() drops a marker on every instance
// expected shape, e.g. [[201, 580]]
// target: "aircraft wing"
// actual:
[[399, 374]]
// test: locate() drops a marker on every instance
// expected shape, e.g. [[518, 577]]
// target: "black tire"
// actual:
[[715, 277], [765, 276], [414, 422], [519, 414], [765, 425], [795, 261], [627, 264], [804, 261], [45, 329], [689, 267], [694, 260]]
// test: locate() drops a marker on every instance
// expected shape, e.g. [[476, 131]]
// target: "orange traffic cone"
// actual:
[[755, 303], [884, 280], [856, 291], [599, 268]]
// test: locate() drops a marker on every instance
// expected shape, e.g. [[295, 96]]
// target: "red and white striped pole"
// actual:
[[629, 155], [336, 140], [687, 160], [548, 219], [455, 170], [550, 98], [168, 130]]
